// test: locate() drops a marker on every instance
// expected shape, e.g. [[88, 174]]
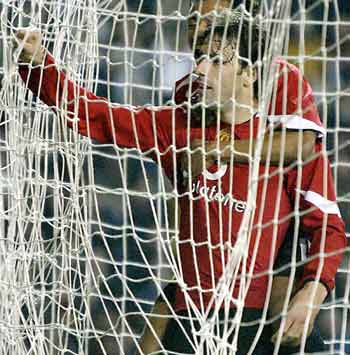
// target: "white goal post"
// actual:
[[89, 231]]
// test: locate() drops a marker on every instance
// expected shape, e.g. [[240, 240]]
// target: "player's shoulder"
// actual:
[[181, 90], [286, 67], [173, 117], [290, 72], [166, 118], [290, 76], [182, 81]]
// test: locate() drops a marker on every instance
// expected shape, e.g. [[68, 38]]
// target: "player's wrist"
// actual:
[[219, 150], [321, 291], [213, 151], [39, 57], [34, 59]]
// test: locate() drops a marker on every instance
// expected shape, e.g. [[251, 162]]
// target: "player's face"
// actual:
[[197, 26], [219, 71]]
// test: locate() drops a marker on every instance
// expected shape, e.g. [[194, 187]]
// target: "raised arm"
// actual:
[[96, 117]]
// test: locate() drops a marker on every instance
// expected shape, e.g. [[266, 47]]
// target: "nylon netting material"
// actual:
[[87, 230]]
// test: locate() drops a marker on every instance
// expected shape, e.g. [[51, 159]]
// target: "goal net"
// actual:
[[90, 233]]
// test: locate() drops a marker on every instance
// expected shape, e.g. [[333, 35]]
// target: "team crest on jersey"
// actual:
[[224, 136]]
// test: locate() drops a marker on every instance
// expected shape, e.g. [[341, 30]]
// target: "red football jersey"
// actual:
[[292, 99], [293, 107], [212, 209]]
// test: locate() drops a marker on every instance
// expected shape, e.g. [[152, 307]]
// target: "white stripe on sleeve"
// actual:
[[298, 122], [326, 206]]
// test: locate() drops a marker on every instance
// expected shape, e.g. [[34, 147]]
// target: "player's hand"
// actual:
[[29, 44], [298, 312], [199, 161]]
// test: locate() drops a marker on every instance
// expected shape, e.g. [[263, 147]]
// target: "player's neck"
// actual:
[[236, 114]]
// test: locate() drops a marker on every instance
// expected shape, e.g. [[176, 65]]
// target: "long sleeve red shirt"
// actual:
[[213, 208]]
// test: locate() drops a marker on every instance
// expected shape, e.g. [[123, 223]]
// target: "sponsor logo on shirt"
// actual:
[[211, 193], [217, 175]]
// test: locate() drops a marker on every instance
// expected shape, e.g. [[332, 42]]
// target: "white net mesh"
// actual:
[[89, 234]]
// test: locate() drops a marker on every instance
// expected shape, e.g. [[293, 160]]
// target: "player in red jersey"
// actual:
[[292, 88], [216, 195]]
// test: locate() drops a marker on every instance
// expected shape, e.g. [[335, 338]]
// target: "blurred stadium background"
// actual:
[[151, 81]]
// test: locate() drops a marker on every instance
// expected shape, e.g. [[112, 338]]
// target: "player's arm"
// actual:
[[294, 127], [312, 294], [155, 328], [294, 124], [321, 220], [151, 340], [93, 116], [283, 275], [278, 146]]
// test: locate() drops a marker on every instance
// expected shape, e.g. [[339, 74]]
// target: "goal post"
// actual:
[[90, 231]]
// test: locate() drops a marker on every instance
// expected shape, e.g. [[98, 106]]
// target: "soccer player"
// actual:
[[287, 88], [201, 253]]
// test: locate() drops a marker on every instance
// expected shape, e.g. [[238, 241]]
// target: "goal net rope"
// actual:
[[89, 232]]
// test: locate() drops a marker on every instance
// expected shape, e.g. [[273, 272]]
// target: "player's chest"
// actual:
[[222, 180]]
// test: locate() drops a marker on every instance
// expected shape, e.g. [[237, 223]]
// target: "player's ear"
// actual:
[[249, 76]]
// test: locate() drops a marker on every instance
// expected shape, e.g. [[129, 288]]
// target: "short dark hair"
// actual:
[[254, 6], [248, 35]]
